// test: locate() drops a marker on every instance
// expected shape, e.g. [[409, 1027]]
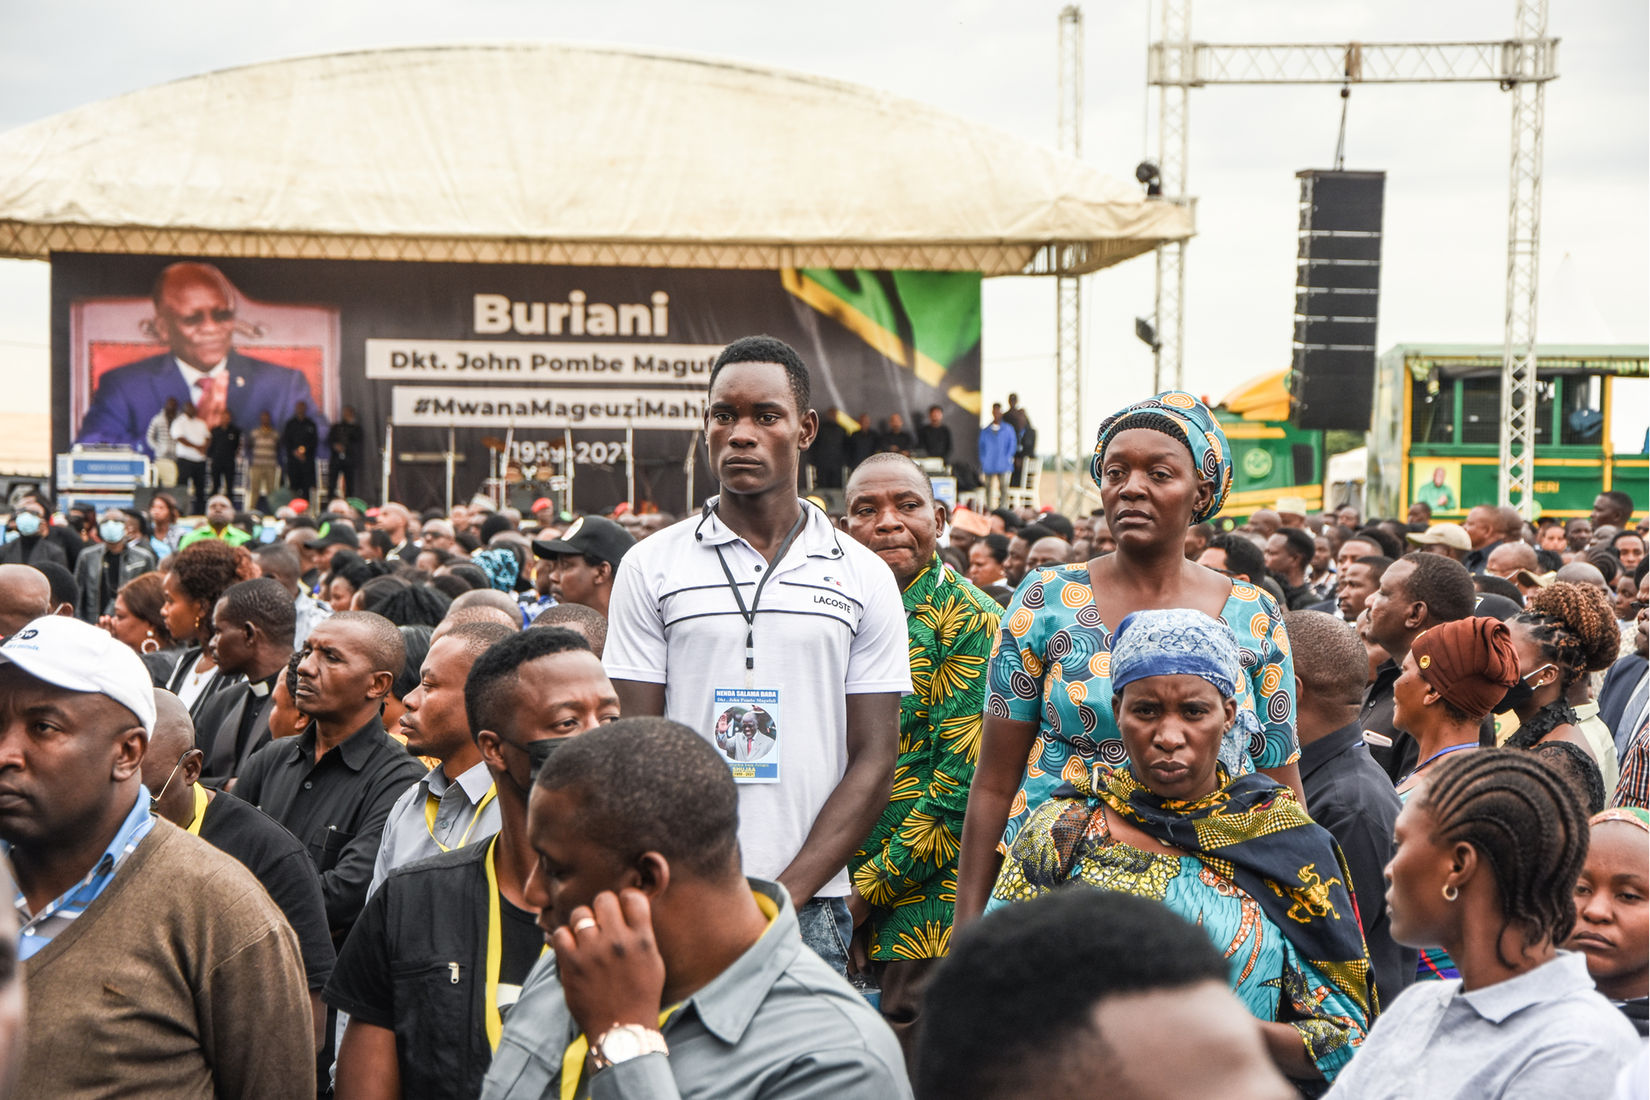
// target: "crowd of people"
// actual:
[[781, 799]]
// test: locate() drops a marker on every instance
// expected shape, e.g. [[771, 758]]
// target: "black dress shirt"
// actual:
[[280, 864], [902, 441], [1403, 753], [336, 806], [344, 441], [223, 447], [935, 441], [1348, 794]]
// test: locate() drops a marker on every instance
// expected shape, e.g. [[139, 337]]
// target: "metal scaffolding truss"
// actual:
[[1173, 138], [1521, 65], [1068, 298], [1356, 62]]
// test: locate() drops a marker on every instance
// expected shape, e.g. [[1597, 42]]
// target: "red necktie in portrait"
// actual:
[[209, 399]]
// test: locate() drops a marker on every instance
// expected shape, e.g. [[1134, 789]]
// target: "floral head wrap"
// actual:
[[1182, 416], [1174, 641], [501, 566], [1630, 814]]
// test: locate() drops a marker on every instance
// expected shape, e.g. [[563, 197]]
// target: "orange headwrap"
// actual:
[[1470, 662]]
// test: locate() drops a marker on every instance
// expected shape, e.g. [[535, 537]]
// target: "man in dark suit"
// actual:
[[253, 625], [345, 444], [1625, 683], [300, 437], [223, 451], [195, 314], [830, 451]]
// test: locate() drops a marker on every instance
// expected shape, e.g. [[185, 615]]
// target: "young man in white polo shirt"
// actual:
[[757, 609]]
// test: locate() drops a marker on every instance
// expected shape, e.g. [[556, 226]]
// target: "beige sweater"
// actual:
[[181, 980]]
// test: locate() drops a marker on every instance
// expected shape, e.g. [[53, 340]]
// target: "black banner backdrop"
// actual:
[[507, 350]]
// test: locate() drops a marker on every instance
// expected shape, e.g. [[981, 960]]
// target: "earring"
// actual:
[[149, 644], [1451, 891]]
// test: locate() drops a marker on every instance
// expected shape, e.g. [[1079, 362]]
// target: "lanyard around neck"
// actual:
[[1441, 752], [431, 803], [749, 613], [201, 801], [495, 946]]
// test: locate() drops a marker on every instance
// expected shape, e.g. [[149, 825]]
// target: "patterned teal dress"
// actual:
[[1327, 1000], [1052, 665]]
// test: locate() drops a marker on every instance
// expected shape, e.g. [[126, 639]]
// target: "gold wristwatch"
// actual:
[[624, 1042]]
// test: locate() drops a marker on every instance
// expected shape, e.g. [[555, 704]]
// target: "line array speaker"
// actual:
[[1337, 290]]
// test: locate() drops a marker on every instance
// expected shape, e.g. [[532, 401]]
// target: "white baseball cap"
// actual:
[[77, 656]]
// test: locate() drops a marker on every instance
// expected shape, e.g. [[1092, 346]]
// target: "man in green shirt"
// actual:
[[905, 874], [1436, 494], [219, 512]]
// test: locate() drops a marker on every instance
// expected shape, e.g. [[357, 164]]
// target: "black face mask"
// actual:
[[1519, 694], [539, 751]]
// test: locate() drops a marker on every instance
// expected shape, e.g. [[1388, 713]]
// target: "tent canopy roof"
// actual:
[[556, 153], [1263, 397]]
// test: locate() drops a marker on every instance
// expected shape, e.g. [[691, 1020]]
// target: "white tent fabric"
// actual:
[[558, 154]]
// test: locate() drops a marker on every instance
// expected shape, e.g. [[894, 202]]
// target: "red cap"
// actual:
[[300, 505], [541, 504]]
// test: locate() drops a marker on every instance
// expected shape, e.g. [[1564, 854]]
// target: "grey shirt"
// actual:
[[460, 819], [777, 1023], [1543, 1034]]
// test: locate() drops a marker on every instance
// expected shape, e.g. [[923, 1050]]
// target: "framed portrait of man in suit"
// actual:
[[194, 338]]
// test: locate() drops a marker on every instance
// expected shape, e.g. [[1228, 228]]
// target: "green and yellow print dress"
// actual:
[[907, 868], [1052, 665], [1264, 882]]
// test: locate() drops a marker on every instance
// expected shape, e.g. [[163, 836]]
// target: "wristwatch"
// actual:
[[624, 1042]]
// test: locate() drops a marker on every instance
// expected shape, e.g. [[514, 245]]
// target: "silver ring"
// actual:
[[587, 922]]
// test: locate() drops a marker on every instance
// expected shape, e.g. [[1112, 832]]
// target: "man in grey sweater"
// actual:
[[152, 962]]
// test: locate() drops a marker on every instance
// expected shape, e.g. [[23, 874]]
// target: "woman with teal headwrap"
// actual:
[[1161, 465], [1235, 855]]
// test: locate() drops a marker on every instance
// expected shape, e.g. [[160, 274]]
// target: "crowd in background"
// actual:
[[522, 803]]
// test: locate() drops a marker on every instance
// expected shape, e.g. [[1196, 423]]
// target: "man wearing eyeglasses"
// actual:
[[195, 313], [171, 772], [153, 963]]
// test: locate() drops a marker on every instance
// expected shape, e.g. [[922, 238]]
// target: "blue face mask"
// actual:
[[112, 530], [28, 524]]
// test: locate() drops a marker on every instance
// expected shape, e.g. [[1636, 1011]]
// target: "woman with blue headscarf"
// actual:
[[1235, 855], [1161, 465]]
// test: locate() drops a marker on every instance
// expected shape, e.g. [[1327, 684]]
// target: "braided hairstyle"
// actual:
[[1526, 822], [1575, 627], [206, 568]]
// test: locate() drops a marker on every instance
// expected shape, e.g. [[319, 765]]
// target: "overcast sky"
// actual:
[[1445, 148]]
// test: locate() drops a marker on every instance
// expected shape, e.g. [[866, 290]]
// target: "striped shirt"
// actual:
[[1633, 788], [265, 442], [39, 929]]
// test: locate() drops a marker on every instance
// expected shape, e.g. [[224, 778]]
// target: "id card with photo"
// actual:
[[747, 732]]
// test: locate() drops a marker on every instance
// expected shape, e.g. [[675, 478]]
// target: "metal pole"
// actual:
[[1518, 361], [389, 460], [688, 465], [452, 454], [1172, 62], [630, 464], [501, 492], [1068, 298], [567, 466]]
